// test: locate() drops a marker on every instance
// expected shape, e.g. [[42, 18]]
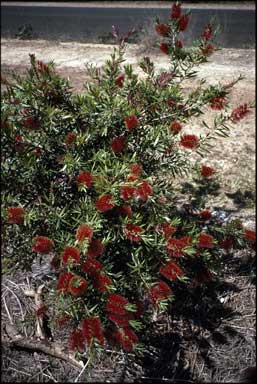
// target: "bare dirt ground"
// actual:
[[222, 344]]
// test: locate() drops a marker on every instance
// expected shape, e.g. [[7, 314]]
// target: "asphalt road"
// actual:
[[89, 24]]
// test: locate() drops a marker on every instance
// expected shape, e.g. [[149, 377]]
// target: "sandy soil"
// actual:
[[71, 58]]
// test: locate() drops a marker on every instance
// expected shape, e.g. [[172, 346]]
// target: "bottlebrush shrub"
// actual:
[[88, 178]]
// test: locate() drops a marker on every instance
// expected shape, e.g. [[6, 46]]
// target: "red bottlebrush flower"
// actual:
[[77, 341], [118, 310], [42, 67], [84, 231], [77, 285], [164, 48], [130, 334], [119, 337], [118, 144], [168, 230], [31, 122], [125, 210], [162, 80], [205, 215], [127, 192], [18, 138], [179, 44], [19, 144], [176, 127], [250, 235], [136, 169], [42, 244], [70, 253], [132, 232], [122, 321], [185, 240], [101, 282], [92, 327], [95, 249], [171, 271], [162, 29], [144, 190], [175, 11], [189, 141], [116, 304], [116, 299], [63, 282], [183, 22], [92, 266], [85, 177], [159, 292], [15, 215], [125, 337], [120, 80], [41, 311], [207, 32], [227, 243], [132, 178], [207, 171], [119, 315], [97, 329], [217, 103], [239, 112], [131, 122], [207, 50], [171, 103], [70, 138], [175, 246], [205, 241], [103, 203]]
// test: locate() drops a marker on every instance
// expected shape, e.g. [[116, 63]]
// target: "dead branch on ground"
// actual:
[[12, 338]]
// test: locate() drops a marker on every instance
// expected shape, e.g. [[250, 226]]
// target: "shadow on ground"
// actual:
[[196, 323]]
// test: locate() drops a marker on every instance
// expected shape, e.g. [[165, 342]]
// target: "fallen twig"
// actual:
[[7, 310], [14, 339], [19, 304], [39, 303]]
